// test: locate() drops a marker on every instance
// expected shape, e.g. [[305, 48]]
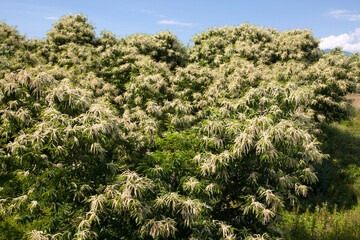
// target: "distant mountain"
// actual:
[[347, 53]]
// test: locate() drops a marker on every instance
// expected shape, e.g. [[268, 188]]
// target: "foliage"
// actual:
[[337, 190], [339, 175], [140, 137], [322, 224]]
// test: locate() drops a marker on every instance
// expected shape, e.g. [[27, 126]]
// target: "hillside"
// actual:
[[332, 212], [345, 52]]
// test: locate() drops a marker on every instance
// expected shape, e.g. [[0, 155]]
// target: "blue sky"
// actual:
[[337, 23]]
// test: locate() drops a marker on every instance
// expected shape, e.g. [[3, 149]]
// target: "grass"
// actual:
[[339, 175], [321, 224], [332, 211]]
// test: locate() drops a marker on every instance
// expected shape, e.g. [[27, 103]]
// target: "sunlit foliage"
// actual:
[[143, 138]]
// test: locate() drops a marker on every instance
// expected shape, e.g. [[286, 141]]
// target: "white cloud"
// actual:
[[172, 22], [349, 42], [338, 12], [51, 18], [344, 14], [146, 11], [151, 12]]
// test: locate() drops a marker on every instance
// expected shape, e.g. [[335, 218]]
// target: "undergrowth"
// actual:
[[321, 224], [333, 210]]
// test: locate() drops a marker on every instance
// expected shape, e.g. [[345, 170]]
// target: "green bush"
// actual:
[[140, 137]]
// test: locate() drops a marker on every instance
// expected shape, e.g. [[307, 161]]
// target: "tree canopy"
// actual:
[[144, 138]]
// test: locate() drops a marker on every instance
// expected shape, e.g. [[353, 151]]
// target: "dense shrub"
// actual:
[[142, 138]]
